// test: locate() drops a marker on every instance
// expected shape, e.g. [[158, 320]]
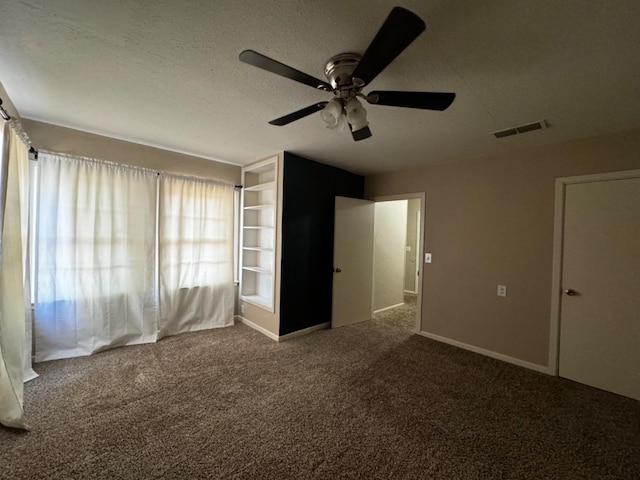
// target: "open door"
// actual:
[[352, 261]]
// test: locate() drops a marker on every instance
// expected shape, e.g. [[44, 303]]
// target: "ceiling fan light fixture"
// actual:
[[341, 124], [332, 114], [348, 73], [356, 114]]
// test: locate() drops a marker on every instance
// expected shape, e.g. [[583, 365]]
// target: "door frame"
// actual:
[[420, 246], [418, 259], [558, 244]]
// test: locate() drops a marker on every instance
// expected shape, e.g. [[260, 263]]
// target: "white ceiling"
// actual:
[[166, 73]]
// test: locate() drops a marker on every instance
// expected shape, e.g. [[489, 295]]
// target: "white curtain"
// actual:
[[14, 197], [95, 267], [29, 188], [196, 254]]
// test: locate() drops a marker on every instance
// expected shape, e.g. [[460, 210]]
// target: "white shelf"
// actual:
[[260, 187], [258, 207], [257, 283], [258, 249], [257, 269], [264, 302]]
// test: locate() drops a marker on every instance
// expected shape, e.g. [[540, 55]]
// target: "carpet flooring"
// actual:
[[367, 401]]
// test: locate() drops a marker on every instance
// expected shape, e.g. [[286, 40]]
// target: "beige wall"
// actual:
[[390, 230], [489, 221], [74, 142]]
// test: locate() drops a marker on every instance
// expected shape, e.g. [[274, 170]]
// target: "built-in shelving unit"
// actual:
[[257, 282]]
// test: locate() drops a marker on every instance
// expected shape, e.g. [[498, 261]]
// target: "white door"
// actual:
[[352, 261], [600, 307]]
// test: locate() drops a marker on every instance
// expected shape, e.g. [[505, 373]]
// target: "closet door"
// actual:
[[599, 324]]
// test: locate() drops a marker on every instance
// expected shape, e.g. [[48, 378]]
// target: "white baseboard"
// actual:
[[262, 330], [388, 308], [304, 331], [488, 353], [281, 338]]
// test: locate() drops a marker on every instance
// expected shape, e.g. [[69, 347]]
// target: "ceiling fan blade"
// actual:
[[398, 31], [292, 117], [426, 100], [361, 134], [258, 60]]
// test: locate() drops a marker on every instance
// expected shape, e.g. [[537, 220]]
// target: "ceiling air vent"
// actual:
[[529, 127]]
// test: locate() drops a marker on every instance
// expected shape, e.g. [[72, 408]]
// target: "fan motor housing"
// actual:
[[340, 68]]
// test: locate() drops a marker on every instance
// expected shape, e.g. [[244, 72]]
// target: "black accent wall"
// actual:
[[306, 285]]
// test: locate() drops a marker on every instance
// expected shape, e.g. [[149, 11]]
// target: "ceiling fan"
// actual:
[[349, 73]]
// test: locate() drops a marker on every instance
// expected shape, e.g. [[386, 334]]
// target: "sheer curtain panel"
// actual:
[[95, 245], [195, 255], [14, 181]]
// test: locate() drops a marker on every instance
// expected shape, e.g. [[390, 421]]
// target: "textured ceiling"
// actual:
[[166, 73]]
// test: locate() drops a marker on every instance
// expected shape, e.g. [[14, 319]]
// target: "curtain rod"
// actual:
[[3, 113], [33, 153], [15, 123]]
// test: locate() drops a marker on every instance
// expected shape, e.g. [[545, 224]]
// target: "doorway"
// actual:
[[398, 230], [353, 270]]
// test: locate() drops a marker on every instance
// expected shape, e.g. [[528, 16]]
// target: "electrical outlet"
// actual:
[[502, 290], [242, 308], [427, 258]]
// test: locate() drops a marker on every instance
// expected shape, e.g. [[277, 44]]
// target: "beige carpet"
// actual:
[[404, 315], [366, 401]]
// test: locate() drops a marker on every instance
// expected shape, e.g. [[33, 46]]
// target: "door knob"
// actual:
[[337, 270], [570, 292]]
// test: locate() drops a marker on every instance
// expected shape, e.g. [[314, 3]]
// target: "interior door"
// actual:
[[600, 306], [352, 261]]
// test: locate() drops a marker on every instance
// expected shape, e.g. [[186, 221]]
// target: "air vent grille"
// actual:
[[506, 133], [529, 127]]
